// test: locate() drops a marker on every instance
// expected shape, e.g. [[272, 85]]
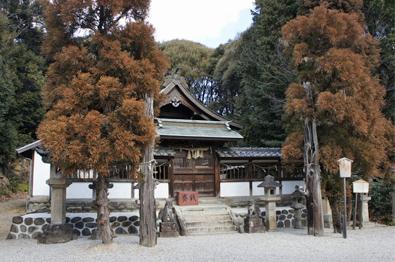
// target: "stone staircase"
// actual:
[[209, 217]]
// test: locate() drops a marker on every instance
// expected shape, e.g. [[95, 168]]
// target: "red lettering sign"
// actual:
[[188, 198]]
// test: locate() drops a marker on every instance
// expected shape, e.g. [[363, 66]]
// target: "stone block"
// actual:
[[14, 228], [120, 231], [17, 220], [39, 221], [122, 218], [88, 219], [133, 218], [28, 221], [60, 233], [132, 230], [86, 232]]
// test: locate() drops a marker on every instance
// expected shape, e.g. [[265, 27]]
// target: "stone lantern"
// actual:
[[361, 187], [298, 204], [270, 199]]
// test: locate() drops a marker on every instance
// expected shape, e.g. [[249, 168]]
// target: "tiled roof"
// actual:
[[196, 130], [249, 152], [158, 152]]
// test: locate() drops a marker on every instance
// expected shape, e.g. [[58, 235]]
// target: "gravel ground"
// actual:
[[376, 243]]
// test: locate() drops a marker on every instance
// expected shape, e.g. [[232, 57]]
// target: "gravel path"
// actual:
[[369, 244]]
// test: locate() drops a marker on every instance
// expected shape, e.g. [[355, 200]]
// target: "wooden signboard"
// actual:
[[188, 198]]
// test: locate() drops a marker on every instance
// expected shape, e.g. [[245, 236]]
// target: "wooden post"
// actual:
[[148, 236], [312, 170]]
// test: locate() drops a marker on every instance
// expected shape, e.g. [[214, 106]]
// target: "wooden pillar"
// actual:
[[217, 177]]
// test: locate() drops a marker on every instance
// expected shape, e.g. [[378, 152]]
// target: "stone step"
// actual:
[[208, 223], [221, 218], [210, 230]]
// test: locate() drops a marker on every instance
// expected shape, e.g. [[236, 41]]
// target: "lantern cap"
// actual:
[[269, 182], [360, 181], [360, 186], [345, 159]]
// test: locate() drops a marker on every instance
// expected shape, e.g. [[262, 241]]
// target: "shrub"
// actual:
[[380, 206]]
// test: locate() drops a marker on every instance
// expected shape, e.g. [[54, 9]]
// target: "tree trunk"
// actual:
[[312, 170], [103, 213], [336, 215], [148, 236]]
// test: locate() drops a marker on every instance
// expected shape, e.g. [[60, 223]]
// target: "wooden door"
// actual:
[[193, 174]]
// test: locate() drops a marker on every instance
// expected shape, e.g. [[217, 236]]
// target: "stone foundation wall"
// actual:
[[284, 216], [31, 226]]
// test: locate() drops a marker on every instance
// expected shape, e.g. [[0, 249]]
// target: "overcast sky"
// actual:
[[210, 22]]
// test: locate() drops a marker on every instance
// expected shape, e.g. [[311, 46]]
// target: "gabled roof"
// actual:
[[196, 130], [178, 82], [249, 152]]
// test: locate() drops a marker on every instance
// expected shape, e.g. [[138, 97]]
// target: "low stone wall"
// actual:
[[284, 216], [84, 224]]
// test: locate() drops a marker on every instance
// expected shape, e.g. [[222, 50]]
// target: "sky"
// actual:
[[210, 22]]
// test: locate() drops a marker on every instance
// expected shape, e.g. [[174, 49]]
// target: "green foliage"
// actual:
[[380, 206], [380, 19], [20, 87], [192, 61], [265, 73]]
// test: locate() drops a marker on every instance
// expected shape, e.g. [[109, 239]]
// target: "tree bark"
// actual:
[[148, 237], [336, 215], [312, 170], [103, 213]]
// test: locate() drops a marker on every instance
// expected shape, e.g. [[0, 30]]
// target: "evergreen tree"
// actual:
[[265, 73], [334, 56], [96, 90], [22, 79]]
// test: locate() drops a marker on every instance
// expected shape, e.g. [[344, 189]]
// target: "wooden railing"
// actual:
[[162, 171], [252, 171]]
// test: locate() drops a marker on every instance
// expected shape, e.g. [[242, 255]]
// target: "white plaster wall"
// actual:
[[120, 190], [230, 189], [162, 190], [79, 190], [257, 191], [41, 173], [289, 186]]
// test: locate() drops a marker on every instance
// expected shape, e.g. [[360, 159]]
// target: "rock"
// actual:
[[56, 234], [88, 219], [75, 220], [282, 217], [28, 221], [278, 212], [48, 220], [23, 236], [11, 236], [76, 233], [280, 224], [23, 228], [113, 219], [126, 223], [122, 218], [86, 232], [284, 212], [67, 220], [289, 216], [17, 220], [287, 223], [31, 229], [115, 224], [39, 221], [137, 223], [36, 235], [263, 213], [14, 228], [91, 225], [120, 231], [291, 211], [79, 225], [45, 227], [132, 230], [133, 218]]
